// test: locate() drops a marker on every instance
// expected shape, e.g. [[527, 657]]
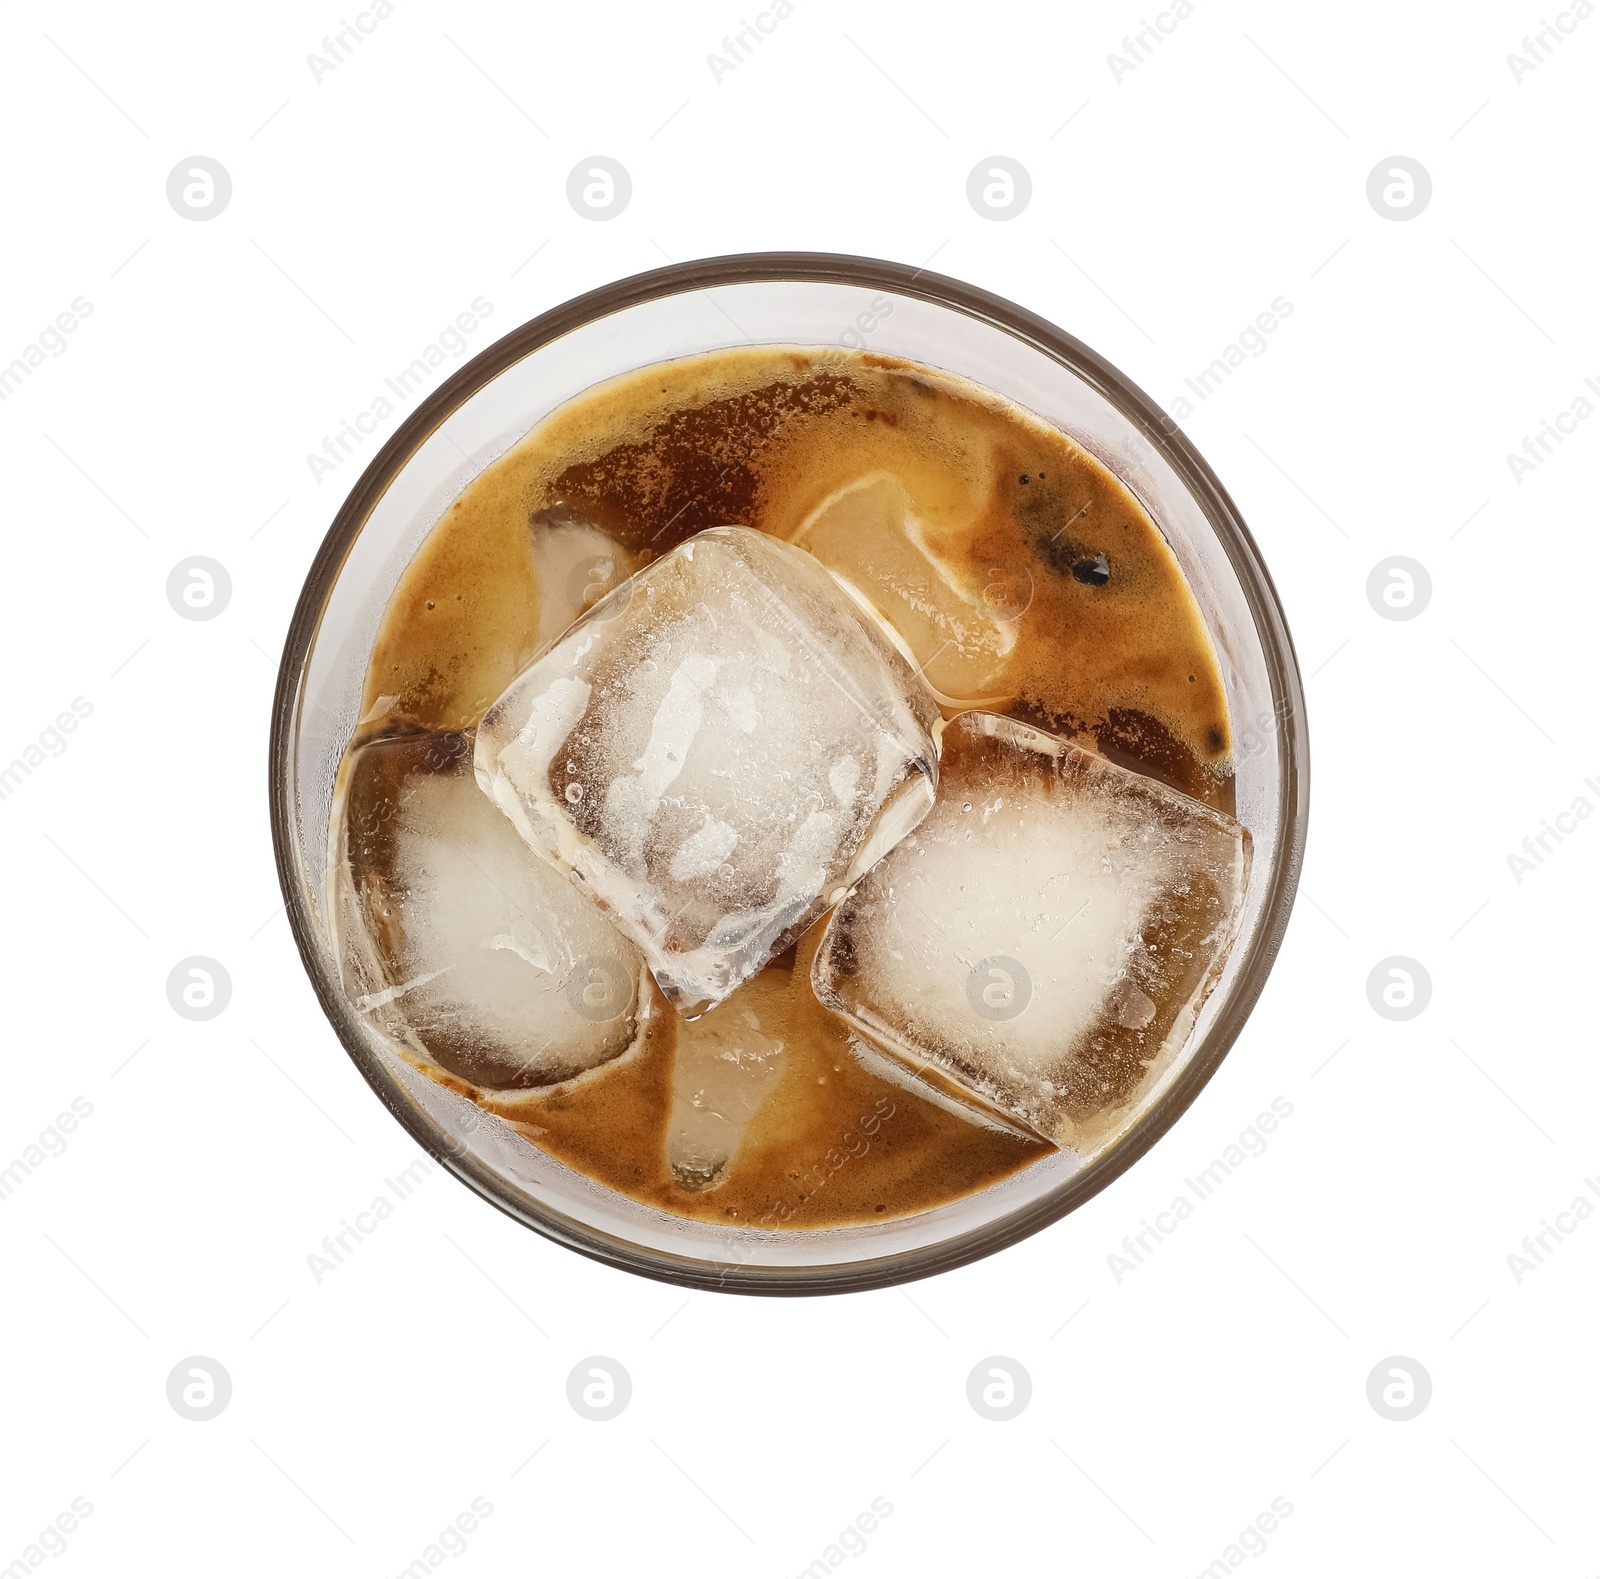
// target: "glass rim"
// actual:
[[1255, 584]]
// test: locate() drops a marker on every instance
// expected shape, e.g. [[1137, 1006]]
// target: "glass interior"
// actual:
[[803, 300]]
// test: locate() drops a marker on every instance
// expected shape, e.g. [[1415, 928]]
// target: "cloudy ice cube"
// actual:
[[869, 534], [1046, 936], [715, 752], [474, 956], [728, 1062], [576, 565]]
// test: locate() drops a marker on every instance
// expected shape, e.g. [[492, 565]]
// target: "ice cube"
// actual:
[[716, 751], [728, 1062], [1044, 940], [870, 535], [576, 564], [474, 956]]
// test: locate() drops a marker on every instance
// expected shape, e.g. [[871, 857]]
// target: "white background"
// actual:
[[1169, 1408]]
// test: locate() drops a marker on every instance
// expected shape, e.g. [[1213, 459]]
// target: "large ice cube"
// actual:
[[715, 751], [870, 535], [727, 1064], [471, 953], [1046, 935]]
